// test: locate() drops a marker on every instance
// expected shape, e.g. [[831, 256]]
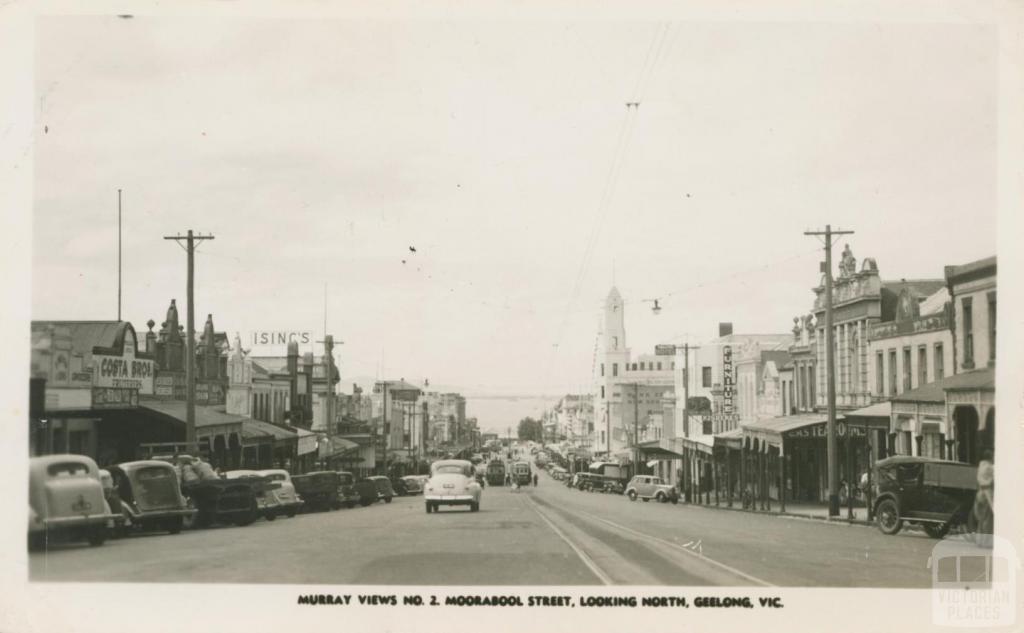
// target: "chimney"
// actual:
[[724, 329]]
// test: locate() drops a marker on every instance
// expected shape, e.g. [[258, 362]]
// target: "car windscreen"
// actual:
[[451, 470], [345, 479], [277, 477], [68, 469]]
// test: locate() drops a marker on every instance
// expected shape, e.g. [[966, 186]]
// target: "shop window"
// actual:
[[922, 365], [940, 362], [78, 442], [968, 319], [892, 372], [706, 377]]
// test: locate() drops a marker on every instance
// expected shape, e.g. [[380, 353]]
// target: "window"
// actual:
[[968, 318], [939, 362], [811, 371], [634, 366], [615, 369], [879, 374], [922, 365], [892, 372], [673, 365], [906, 370], [706, 377], [602, 369], [991, 326], [602, 392], [659, 366]]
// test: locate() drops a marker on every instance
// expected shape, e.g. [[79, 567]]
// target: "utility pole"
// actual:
[[830, 371], [636, 428], [190, 341], [384, 428]]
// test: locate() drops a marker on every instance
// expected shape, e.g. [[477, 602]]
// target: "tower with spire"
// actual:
[[613, 359]]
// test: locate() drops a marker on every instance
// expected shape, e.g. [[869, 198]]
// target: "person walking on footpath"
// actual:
[[534, 479], [984, 500]]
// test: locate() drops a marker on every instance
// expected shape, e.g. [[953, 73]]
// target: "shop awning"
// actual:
[[336, 447], [307, 441], [209, 420], [700, 443], [771, 431], [663, 448], [257, 430], [877, 410], [730, 439]]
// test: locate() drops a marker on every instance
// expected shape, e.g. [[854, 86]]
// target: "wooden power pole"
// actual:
[[830, 371], [190, 341]]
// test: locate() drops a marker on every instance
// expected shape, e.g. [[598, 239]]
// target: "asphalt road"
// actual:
[[548, 535]]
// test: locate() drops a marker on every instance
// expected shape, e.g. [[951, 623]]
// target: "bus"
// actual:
[[521, 473], [496, 472]]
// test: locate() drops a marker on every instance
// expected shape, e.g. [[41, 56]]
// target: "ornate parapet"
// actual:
[[929, 323]]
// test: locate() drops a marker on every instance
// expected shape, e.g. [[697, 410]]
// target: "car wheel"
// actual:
[[632, 495], [429, 509], [474, 507], [350, 504], [888, 517], [291, 514], [365, 503], [936, 530], [387, 499], [661, 497], [271, 516], [97, 536]]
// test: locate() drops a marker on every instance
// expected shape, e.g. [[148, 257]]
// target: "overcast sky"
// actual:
[[320, 151]]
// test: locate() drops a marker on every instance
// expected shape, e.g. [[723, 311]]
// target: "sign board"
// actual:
[[114, 398], [664, 350], [123, 372], [263, 338], [820, 430], [727, 379]]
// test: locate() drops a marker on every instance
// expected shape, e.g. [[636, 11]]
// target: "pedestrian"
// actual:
[[508, 479], [984, 499], [534, 479]]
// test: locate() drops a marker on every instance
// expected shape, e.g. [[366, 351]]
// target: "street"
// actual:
[[544, 535]]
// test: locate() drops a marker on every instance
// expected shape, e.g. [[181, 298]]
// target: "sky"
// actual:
[[318, 152]]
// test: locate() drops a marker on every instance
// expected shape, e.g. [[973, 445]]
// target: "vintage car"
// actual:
[[288, 501], [936, 494], [348, 495], [366, 488], [267, 504], [412, 485], [66, 500], [648, 487], [384, 489], [149, 496], [452, 482], [319, 490]]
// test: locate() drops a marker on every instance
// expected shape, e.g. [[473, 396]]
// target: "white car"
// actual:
[[452, 483]]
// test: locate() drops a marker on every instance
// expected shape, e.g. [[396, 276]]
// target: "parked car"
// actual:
[[588, 482], [267, 505], [319, 490], [452, 482], [412, 485], [648, 487], [936, 494], [348, 495], [66, 500], [398, 486], [288, 501], [384, 489], [366, 488], [149, 496]]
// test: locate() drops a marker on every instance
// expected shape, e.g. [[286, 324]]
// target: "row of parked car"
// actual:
[[71, 498]]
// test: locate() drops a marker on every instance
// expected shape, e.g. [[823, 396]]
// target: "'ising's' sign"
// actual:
[[279, 337]]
